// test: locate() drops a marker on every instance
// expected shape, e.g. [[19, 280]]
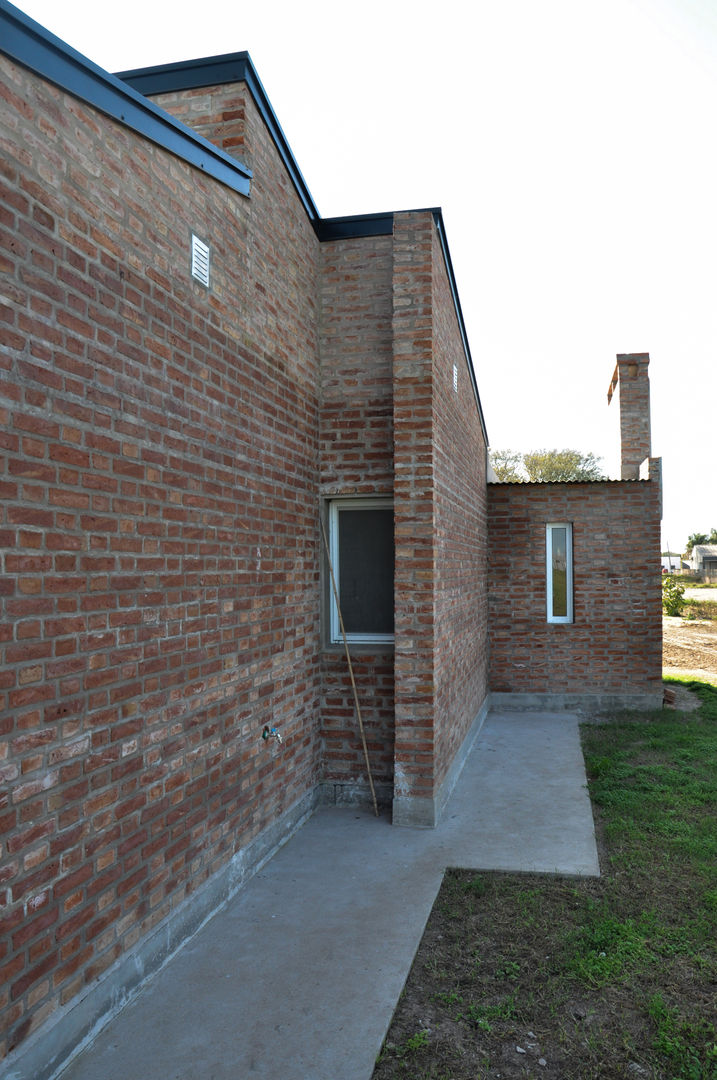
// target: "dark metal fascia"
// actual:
[[440, 227], [28, 43], [187, 74], [355, 227], [216, 71]]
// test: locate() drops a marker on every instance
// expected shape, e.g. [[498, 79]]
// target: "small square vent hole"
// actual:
[[200, 260]]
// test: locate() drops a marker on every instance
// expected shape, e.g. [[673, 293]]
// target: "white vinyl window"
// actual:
[[559, 566], [362, 556]]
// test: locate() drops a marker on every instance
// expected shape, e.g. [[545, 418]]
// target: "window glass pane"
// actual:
[[366, 570], [560, 571]]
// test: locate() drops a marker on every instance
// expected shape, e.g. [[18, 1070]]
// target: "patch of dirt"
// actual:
[[680, 698], [689, 648]]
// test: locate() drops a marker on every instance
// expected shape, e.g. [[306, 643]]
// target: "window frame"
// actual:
[[569, 616], [334, 508]]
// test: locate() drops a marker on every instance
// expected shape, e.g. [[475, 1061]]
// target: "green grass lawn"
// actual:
[[577, 978]]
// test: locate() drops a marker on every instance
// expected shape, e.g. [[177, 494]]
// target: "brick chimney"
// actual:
[[634, 386]]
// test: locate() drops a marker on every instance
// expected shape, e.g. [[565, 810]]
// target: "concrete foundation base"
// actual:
[[588, 704], [298, 975], [73, 1028], [521, 803], [353, 793], [425, 813]]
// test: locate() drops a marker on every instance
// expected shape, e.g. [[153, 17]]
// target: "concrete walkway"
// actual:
[[298, 976]]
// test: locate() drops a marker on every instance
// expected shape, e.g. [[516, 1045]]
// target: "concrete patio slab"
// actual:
[[297, 977]]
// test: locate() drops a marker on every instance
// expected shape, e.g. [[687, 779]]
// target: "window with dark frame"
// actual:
[[362, 554]]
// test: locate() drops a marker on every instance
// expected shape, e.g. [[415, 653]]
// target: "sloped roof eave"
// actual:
[[28, 43], [123, 97]]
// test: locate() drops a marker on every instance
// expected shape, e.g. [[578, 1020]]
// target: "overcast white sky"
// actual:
[[571, 145]]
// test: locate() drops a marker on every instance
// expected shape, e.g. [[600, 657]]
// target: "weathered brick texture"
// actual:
[[461, 596], [632, 382], [356, 438], [159, 484], [356, 458], [614, 645], [167, 452], [413, 462], [441, 606]]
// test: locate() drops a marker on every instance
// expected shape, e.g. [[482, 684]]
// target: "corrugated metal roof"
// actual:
[[544, 483]]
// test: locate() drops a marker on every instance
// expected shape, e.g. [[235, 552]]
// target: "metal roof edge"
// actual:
[[381, 224], [545, 483], [123, 97], [30, 44], [187, 74], [354, 227], [441, 229], [216, 71]]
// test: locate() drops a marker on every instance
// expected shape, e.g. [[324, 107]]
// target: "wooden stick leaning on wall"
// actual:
[[335, 590]]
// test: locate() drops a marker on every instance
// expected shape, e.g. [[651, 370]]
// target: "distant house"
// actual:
[[200, 379], [704, 559]]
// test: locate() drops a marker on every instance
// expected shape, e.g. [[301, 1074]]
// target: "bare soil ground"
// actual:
[[689, 647]]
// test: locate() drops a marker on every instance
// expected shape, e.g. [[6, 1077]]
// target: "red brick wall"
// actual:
[[356, 447], [343, 761], [441, 603], [413, 507], [356, 441], [461, 599], [614, 645], [217, 113], [633, 390], [165, 450], [390, 337], [159, 485], [355, 424]]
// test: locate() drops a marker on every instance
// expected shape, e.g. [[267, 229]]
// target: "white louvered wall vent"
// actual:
[[200, 260], [455, 377]]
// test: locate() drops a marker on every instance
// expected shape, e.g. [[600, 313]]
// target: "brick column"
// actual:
[[414, 766], [633, 383]]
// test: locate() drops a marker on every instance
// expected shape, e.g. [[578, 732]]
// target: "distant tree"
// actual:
[[697, 538], [507, 465], [545, 465], [552, 465]]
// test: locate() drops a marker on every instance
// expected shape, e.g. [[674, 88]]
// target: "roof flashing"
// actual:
[[31, 45], [124, 98], [219, 71], [441, 229]]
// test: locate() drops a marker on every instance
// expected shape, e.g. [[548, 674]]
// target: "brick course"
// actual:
[[413, 462], [632, 382], [356, 458], [440, 457], [461, 598], [166, 451], [159, 579], [614, 645]]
